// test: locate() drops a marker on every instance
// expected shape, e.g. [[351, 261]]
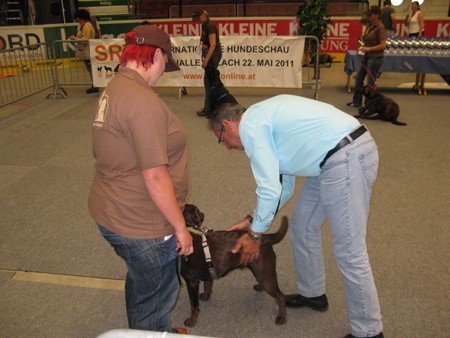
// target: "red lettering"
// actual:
[[101, 53]]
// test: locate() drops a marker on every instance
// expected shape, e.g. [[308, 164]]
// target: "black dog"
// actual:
[[324, 59], [195, 268], [219, 95], [379, 106], [108, 69]]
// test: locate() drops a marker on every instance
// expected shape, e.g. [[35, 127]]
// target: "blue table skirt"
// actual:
[[403, 63]]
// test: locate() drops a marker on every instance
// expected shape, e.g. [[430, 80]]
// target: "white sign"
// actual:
[[247, 61]]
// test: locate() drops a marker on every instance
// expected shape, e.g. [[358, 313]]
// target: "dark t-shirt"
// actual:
[[386, 19], [209, 28], [373, 36]]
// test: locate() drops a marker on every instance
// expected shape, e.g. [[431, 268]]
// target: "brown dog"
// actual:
[[379, 106], [195, 268]]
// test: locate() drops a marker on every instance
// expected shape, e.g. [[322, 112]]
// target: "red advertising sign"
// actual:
[[342, 35]]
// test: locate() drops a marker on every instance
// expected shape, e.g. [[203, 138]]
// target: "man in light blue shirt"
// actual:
[[287, 136]]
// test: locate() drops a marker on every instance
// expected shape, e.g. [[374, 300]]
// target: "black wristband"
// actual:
[[249, 218]]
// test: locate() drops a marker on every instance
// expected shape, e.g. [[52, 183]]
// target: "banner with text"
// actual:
[[247, 61], [342, 34]]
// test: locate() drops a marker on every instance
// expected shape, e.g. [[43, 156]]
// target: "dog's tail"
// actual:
[[396, 113], [279, 235], [398, 123]]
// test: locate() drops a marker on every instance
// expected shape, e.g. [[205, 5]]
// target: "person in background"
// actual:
[[211, 55], [140, 183], [416, 27], [415, 20], [374, 44], [388, 19], [86, 31], [287, 136]]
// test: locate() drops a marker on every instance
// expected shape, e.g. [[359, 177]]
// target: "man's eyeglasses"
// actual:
[[220, 135]]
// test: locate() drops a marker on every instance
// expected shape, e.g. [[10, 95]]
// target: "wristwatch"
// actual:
[[255, 237]]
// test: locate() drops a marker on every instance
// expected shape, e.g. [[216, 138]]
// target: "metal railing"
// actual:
[[25, 71], [69, 68], [312, 48]]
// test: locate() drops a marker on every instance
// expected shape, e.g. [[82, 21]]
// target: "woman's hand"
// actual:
[[184, 242]]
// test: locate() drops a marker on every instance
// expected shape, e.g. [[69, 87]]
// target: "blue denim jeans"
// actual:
[[373, 65], [151, 286], [342, 193]]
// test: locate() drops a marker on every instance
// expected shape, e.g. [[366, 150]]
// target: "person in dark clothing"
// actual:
[[387, 17], [211, 55]]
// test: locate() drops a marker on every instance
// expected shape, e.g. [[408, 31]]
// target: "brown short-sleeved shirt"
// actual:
[[134, 130], [373, 36]]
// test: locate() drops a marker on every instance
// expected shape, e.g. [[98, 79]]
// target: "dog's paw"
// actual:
[[190, 322], [281, 320], [204, 296], [257, 287]]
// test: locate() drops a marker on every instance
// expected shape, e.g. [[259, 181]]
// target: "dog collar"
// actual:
[[203, 231]]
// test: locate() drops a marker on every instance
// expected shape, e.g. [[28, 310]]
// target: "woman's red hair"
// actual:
[[142, 54]]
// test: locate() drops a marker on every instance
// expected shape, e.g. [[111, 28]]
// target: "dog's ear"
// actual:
[[367, 90], [192, 214], [197, 216], [374, 94], [187, 212]]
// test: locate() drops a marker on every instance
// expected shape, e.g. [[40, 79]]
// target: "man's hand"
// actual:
[[184, 242], [241, 225], [245, 224], [249, 249]]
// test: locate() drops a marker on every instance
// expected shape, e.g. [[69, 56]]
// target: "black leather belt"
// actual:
[[342, 143]]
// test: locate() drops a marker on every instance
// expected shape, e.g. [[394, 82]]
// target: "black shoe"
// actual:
[[203, 113], [361, 110], [92, 90], [316, 303], [380, 335], [351, 104]]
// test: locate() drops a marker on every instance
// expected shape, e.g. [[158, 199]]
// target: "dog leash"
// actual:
[[368, 30], [369, 72]]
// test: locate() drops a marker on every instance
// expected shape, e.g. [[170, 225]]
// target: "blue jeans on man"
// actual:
[[151, 286], [342, 194]]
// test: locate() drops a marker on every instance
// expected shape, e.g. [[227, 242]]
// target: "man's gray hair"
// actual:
[[226, 111]]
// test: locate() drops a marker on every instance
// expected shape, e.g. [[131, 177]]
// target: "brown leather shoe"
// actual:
[[179, 330]]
